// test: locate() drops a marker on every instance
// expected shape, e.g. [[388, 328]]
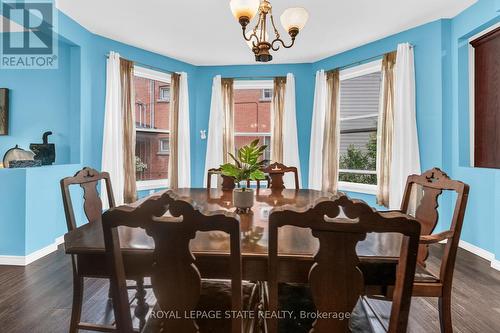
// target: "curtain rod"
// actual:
[[147, 66], [253, 77], [367, 59]]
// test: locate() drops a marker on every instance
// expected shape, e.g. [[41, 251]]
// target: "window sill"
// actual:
[[358, 188], [145, 185]]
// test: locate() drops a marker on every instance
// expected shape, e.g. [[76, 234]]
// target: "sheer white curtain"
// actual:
[[215, 151], [317, 133], [405, 150], [184, 142], [290, 140], [112, 142]]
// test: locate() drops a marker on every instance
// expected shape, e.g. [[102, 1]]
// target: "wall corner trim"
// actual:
[[32, 257]]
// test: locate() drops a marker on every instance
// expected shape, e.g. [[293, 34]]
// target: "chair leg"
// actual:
[[76, 310], [444, 305]]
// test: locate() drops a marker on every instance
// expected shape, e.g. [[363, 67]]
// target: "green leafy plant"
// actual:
[[246, 165], [140, 166], [356, 159]]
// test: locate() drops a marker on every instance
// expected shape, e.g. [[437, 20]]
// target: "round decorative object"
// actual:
[[17, 154]]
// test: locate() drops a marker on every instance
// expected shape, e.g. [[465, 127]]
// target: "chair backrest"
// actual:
[[421, 201], [335, 280], [227, 182], [276, 171], [175, 278], [87, 179]]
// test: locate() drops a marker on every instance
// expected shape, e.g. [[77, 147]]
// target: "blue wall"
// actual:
[[74, 105], [40, 100], [304, 82], [481, 225]]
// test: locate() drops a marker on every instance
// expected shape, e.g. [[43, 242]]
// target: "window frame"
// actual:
[[346, 74], [160, 96], [162, 151], [147, 73], [263, 97]]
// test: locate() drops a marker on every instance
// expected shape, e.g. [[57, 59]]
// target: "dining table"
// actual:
[[378, 253]]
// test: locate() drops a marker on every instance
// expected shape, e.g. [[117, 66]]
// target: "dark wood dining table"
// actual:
[[297, 247]]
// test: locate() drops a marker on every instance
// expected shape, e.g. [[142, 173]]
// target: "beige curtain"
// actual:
[[331, 137], [385, 129], [228, 111], [278, 110], [127, 87], [173, 163]]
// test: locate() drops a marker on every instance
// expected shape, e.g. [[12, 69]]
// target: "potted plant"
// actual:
[[246, 167]]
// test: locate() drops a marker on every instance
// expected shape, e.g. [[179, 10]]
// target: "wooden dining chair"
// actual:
[[421, 200], [177, 283], [88, 179], [227, 182], [336, 280], [276, 172]]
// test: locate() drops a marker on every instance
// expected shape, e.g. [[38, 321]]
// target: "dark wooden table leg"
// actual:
[[142, 308]]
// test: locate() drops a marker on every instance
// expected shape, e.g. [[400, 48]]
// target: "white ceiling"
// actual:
[[204, 32]]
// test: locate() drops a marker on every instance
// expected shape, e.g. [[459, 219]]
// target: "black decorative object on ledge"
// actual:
[[45, 151]]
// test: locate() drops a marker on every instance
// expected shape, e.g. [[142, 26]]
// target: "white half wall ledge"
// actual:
[[32, 257]]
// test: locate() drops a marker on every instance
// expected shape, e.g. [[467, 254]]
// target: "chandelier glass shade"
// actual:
[[293, 21]]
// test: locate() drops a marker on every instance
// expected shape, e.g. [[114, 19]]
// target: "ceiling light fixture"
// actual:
[[292, 20]]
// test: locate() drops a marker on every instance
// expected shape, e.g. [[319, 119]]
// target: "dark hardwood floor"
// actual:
[[37, 298]]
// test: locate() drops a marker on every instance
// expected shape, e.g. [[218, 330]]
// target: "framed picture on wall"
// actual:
[[4, 111]]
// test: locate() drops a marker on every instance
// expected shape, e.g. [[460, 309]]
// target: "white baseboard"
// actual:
[[495, 264], [477, 251], [34, 256]]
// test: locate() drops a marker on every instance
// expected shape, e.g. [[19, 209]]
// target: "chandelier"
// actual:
[[292, 20]]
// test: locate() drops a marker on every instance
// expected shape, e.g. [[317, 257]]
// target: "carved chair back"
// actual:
[[421, 200], [276, 171], [335, 280], [175, 278], [227, 182], [87, 179]]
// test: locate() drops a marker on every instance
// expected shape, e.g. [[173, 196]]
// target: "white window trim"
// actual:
[[252, 134], [351, 73], [152, 74], [145, 185], [358, 188], [371, 115], [472, 91], [152, 130], [360, 70], [253, 84]]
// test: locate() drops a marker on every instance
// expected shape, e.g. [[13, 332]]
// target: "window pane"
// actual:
[[152, 154], [358, 178], [359, 97], [251, 112], [240, 141], [151, 112]]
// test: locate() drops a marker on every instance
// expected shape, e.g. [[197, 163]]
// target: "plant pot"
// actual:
[[243, 199]]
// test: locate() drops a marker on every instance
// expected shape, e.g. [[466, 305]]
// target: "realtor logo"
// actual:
[[28, 39]]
